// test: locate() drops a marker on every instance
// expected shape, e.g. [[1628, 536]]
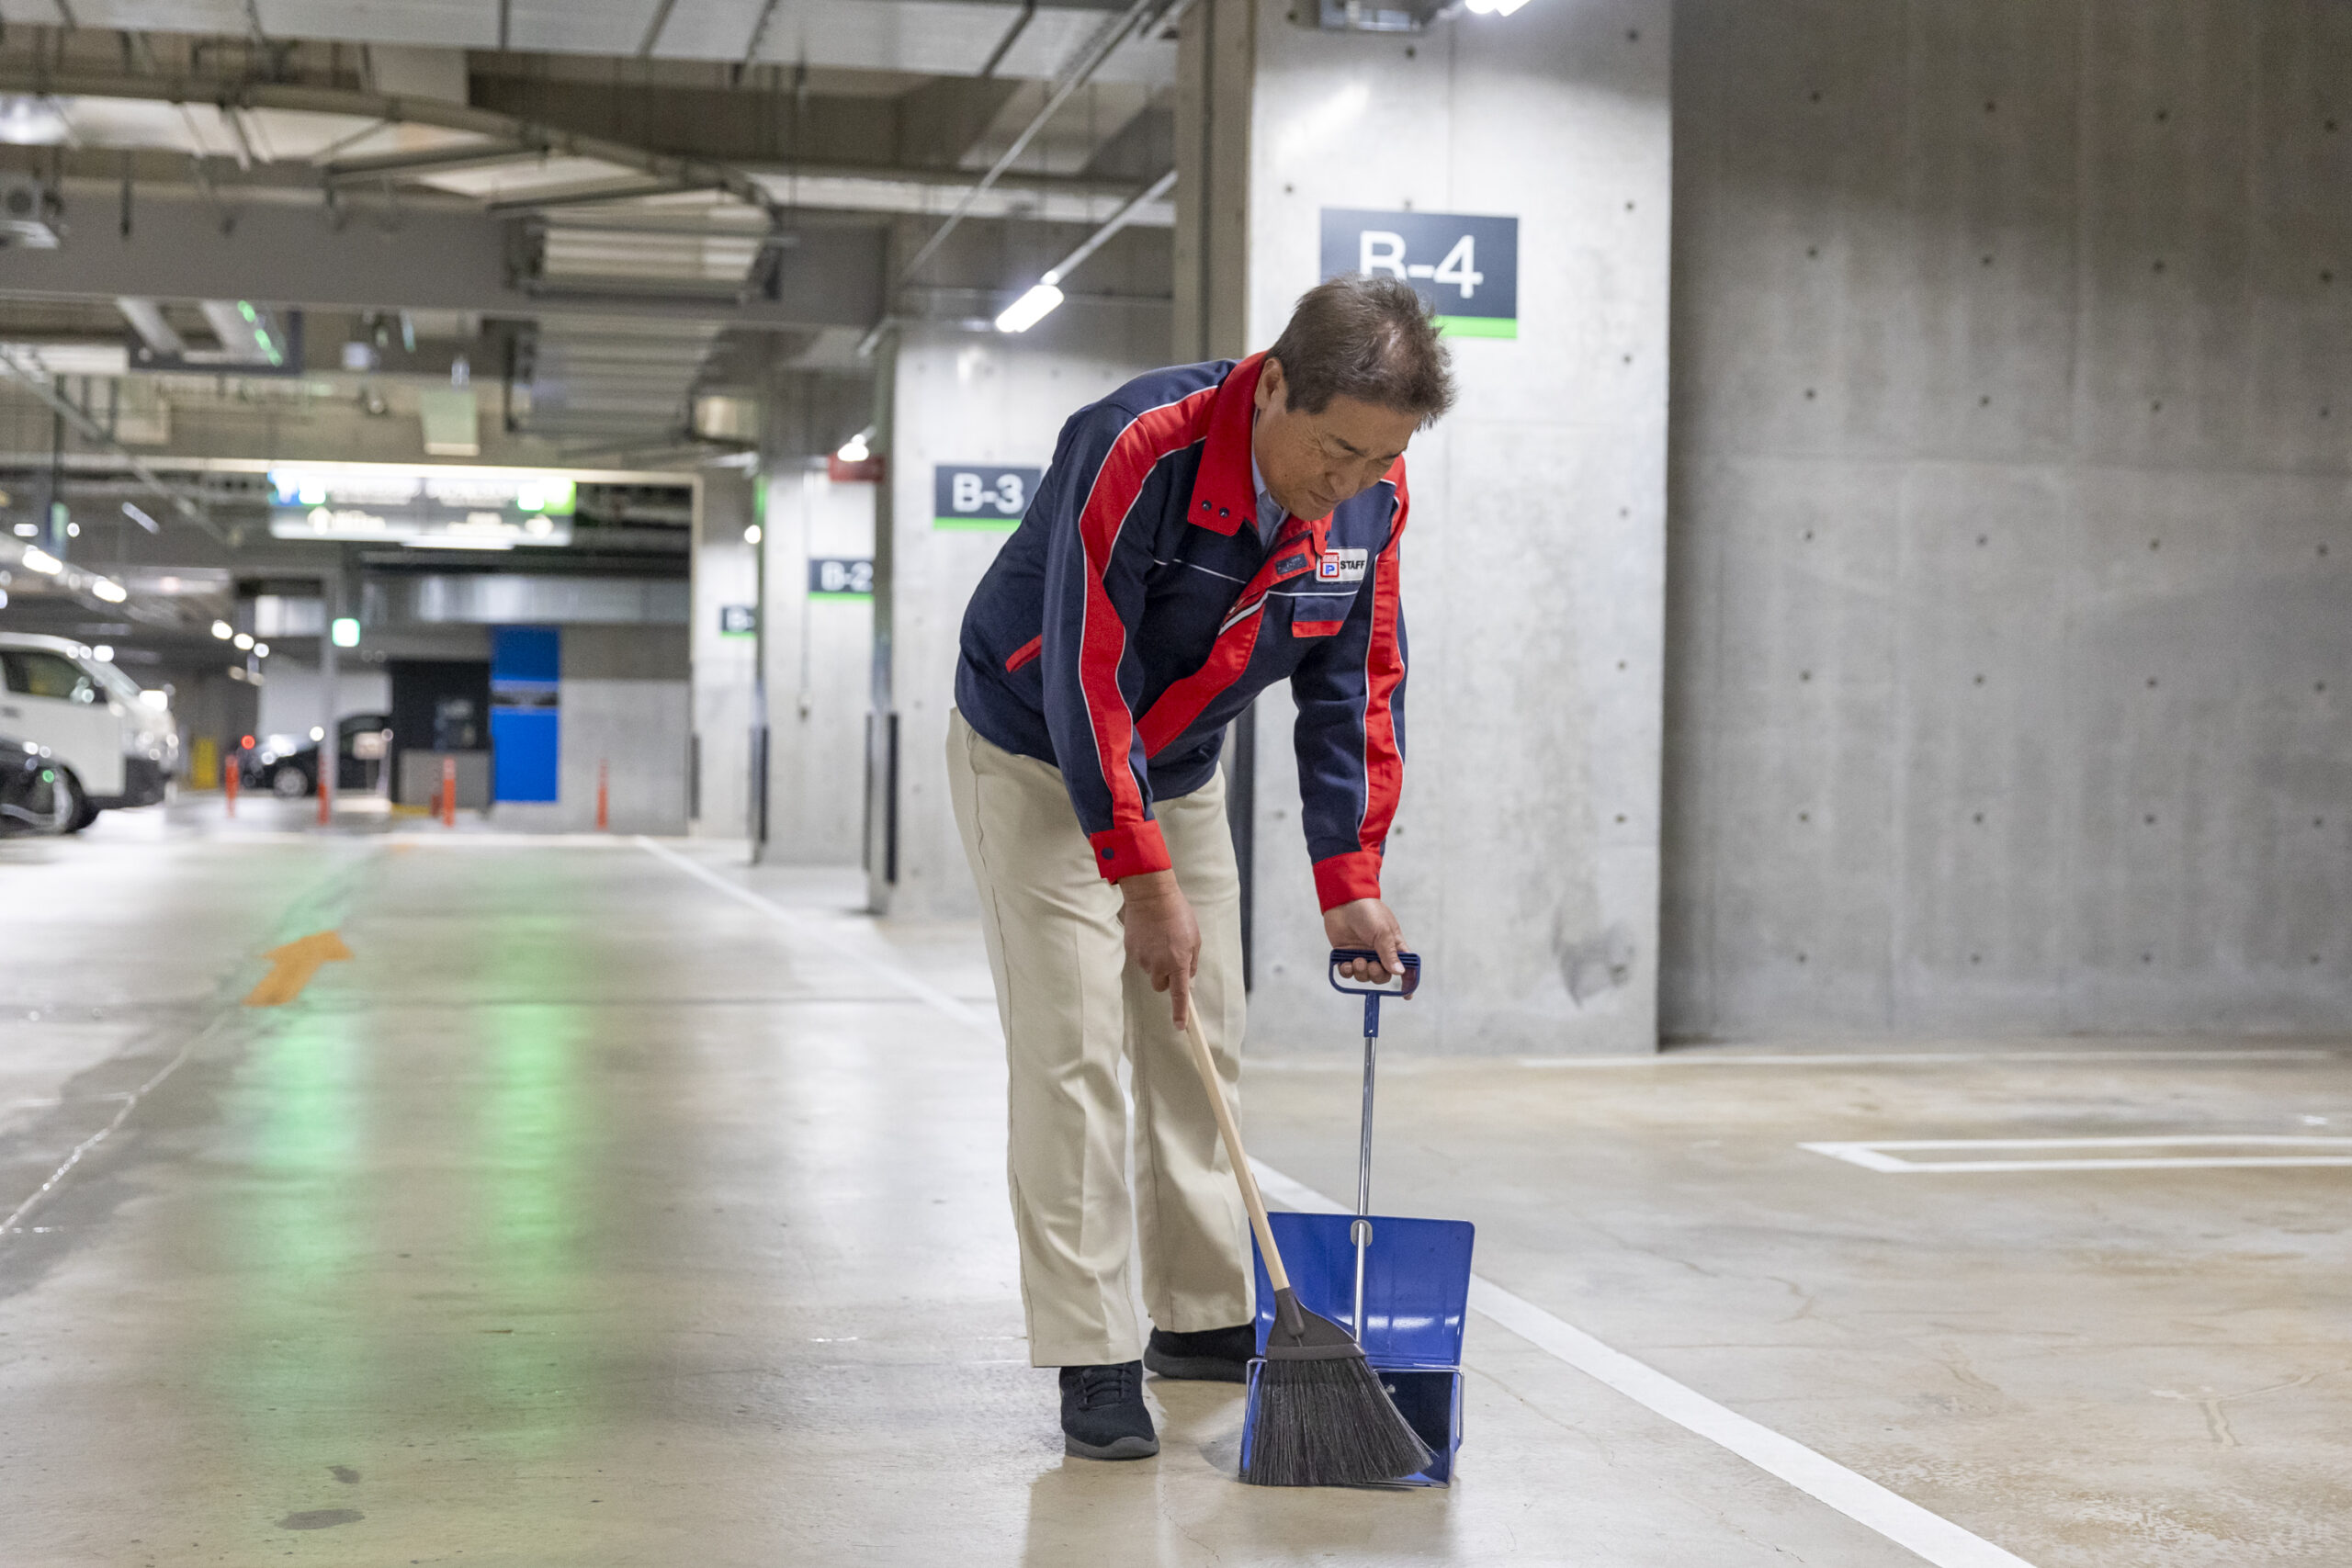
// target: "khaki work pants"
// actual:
[[1072, 1008]]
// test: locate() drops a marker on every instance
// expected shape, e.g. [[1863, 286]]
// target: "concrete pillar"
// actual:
[[819, 650], [1525, 860], [1215, 62], [962, 397], [723, 575]]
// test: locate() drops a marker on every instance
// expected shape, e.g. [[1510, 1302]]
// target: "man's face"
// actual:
[[1314, 461]]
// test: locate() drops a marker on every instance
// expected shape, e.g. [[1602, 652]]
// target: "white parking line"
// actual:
[[1931, 1536], [1860, 1499], [1885, 1155], [2023, 1057]]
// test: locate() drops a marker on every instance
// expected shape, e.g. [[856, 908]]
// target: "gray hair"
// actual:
[[1367, 338]]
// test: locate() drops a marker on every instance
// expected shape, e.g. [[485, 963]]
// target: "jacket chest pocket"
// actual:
[[1319, 614]]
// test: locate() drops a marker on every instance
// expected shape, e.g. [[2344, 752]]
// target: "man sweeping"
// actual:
[[1204, 532]]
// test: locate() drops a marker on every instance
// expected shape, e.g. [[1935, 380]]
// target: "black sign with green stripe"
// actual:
[[990, 497], [1466, 266]]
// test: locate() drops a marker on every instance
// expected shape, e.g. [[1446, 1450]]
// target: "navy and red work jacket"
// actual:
[[1136, 611]]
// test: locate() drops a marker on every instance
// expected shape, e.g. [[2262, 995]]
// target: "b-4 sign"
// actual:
[[1466, 266], [986, 496]]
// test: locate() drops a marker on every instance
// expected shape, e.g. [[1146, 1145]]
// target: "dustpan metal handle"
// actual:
[[1360, 1232]]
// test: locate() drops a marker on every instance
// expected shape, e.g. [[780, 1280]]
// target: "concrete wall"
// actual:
[[626, 705], [2012, 562], [819, 653], [961, 398], [1524, 859], [292, 694], [724, 573]]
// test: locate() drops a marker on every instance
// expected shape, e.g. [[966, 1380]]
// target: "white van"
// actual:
[[116, 748]]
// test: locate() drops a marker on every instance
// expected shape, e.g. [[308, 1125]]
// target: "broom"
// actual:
[[1319, 1414]]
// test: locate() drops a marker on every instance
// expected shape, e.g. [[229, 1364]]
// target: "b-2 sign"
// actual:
[[981, 495], [841, 577], [1466, 266]]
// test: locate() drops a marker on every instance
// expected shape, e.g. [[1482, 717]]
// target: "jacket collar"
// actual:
[[1223, 496]]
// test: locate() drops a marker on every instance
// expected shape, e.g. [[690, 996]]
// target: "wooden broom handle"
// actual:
[[1206, 1066]]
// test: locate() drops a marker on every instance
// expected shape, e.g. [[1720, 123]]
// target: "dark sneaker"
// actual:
[[1213, 1355], [1103, 1415]]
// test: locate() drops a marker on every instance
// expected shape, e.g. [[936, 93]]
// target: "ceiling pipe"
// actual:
[[1088, 58], [146, 319], [1045, 296], [1116, 221], [91, 430], [665, 173], [653, 29], [439, 160], [1011, 35]]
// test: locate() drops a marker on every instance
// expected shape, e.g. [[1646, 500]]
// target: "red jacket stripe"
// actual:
[[1384, 670], [1103, 642]]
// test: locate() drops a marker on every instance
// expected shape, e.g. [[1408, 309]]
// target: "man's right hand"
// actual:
[[1163, 939]]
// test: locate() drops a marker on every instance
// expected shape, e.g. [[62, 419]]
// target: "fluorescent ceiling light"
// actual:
[[103, 653], [158, 700], [107, 588], [399, 484], [141, 518], [39, 560], [1031, 308], [27, 120]]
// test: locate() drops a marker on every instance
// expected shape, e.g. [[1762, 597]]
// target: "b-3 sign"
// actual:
[[982, 495], [1466, 266]]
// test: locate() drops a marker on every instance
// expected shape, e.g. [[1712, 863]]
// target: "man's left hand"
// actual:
[[1365, 923]]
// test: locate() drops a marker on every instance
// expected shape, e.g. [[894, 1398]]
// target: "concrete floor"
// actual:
[[595, 1214]]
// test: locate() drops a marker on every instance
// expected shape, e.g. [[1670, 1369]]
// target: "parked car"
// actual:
[[116, 745], [288, 765], [30, 800]]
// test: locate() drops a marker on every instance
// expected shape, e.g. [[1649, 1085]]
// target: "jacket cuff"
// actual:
[[1345, 878], [1129, 852]]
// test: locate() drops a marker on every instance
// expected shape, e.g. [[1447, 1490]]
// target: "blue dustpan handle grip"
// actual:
[[1409, 963]]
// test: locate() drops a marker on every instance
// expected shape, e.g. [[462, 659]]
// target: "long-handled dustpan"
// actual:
[[1401, 1285]]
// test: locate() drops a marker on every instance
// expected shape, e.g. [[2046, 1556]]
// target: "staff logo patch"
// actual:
[[1342, 566]]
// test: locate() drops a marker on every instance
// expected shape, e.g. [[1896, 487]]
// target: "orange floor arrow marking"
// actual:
[[292, 965]]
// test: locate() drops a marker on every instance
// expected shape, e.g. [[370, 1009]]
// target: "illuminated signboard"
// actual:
[[448, 508]]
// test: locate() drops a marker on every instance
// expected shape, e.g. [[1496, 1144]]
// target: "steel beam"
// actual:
[[439, 160], [44, 389], [661, 169], [429, 258]]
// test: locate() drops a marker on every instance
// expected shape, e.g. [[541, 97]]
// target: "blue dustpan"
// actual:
[[1401, 1285], [1416, 1286]]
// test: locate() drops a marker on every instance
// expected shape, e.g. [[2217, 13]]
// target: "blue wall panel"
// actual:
[[525, 712]]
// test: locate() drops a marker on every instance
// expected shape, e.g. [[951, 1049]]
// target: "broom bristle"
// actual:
[[1328, 1423]]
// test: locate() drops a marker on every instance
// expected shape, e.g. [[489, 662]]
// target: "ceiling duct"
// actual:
[[600, 377]]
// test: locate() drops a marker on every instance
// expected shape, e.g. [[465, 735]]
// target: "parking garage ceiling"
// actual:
[[611, 186], [620, 235]]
